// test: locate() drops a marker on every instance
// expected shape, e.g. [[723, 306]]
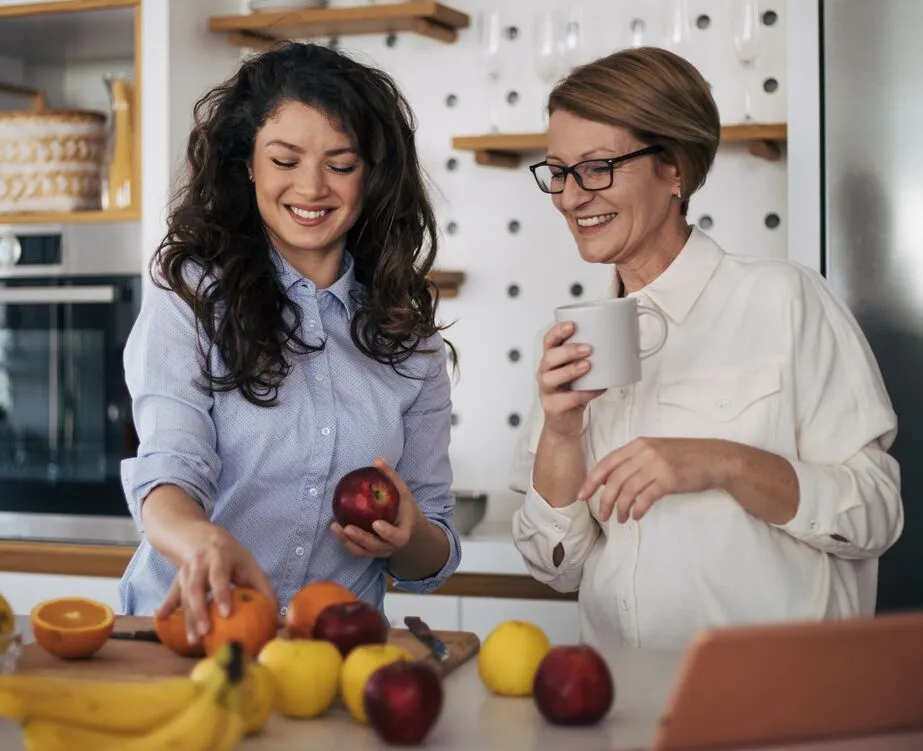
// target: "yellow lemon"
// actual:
[[306, 674], [257, 694], [360, 663], [509, 657], [7, 624]]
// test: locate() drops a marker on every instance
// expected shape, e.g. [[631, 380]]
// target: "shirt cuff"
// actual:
[[820, 493], [431, 583], [557, 524], [141, 475]]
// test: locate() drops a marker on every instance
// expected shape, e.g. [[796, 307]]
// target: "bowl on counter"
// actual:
[[10, 648], [470, 507]]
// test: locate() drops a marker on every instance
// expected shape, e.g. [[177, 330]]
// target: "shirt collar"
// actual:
[[342, 289], [678, 288]]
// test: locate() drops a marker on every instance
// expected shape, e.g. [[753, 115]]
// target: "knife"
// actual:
[[142, 635], [420, 630]]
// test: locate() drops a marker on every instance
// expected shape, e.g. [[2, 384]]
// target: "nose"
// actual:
[[573, 196], [311, 181]]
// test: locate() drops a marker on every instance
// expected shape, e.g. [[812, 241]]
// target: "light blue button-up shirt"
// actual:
[[267, 474]]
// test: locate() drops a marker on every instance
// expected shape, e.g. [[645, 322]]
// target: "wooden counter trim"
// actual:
[[67, 559]]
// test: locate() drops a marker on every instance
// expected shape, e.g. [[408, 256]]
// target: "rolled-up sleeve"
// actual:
[[539, 528], [849, 486], [425, 466], [171, 406]]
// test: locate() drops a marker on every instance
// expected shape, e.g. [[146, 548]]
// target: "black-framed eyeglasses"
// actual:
[[592, 174]]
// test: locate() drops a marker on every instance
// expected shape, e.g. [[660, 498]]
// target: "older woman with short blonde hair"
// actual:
[[745, 478]]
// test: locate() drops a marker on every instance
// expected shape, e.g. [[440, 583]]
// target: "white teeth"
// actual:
[[592, 221], [309, 214]]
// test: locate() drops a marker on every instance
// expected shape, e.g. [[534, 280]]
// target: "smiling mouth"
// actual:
[[308, 213], [590, 222]]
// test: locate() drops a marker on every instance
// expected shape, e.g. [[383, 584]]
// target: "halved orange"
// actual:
[[71, 627]]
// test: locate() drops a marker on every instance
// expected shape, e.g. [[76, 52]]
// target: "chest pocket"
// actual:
[[741, 403]]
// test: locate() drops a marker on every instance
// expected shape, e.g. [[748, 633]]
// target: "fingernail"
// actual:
[[378, 526], [203, 628], [224, 609], [191, 637], [583, 365], [584, 349]]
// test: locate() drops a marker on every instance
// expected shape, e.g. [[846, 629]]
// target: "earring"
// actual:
[[250, 174], [679, 193]]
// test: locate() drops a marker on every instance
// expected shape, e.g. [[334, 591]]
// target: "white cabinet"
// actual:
[[25, 591], [557, 618], [439, 612]]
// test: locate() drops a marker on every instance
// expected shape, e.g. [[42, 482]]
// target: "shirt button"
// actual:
[[312, 491], [624, 604], [299, 550], [622, 392], [724, 404], [319, 377], [558, 528], [283, 611], [312, 323], [813, 526], [325, 431]]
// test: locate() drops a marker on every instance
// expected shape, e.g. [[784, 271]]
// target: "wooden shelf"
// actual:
[[261, 30], [72, 217], [448, 282], [507, 149], [63, 6]]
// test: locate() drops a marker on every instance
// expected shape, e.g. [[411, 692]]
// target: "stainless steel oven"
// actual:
[[67, 303]]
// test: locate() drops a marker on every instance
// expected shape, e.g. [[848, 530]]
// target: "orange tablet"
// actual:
[[788, 683]]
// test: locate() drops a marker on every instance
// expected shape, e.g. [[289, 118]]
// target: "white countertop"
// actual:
[[489, 549]]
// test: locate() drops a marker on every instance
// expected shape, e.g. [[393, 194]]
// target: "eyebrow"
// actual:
[[584, 155], [298, 149]]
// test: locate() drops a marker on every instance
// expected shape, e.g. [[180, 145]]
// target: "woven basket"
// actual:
[[50, 160]]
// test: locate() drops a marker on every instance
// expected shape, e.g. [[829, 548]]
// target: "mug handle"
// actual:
[[643, 311]]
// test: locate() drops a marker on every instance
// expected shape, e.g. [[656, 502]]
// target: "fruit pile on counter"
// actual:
[[332, 647]]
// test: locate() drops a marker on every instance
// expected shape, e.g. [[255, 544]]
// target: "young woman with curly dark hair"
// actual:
[[290, 337]]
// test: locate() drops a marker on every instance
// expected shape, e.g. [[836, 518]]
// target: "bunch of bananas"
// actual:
[[60, 714]]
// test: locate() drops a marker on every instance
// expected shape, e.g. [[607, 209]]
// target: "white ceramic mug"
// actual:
[[612, 327]]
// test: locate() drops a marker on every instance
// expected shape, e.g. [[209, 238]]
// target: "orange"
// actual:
[[172, 634], [309, 601], [252, 622], [71, 627]]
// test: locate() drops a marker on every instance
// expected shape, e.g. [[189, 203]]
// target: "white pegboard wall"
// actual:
[[476, 205]]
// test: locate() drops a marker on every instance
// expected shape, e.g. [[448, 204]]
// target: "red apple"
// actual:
[[349, 624], [573, 686], [403, 701], [364, 496]]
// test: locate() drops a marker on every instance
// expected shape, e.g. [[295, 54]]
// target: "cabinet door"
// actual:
[[557, 619], [25, 591], [439, 612]]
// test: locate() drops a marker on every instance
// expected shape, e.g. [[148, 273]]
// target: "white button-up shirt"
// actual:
[[758, 352]]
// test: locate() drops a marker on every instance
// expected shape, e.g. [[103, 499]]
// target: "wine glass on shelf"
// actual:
[[637, 27], [678, 28], [491, 51], [548, 46], [746, 25], [575, 37]]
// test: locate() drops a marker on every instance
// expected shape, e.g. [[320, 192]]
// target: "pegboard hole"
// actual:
[[770, 17], [770, 85], [513, 227], [706, 222], [637, 26], [451, 100], [451, 164], [512, 97], [391, 40], [452, 228], [512, 33], [703, 21], [514, 355], [513, 290], [772, 221], [513, 420], [576, 289]]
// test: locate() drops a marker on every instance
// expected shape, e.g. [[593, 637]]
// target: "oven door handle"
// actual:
[[57, 295]]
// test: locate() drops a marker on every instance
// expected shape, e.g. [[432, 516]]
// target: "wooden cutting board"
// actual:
[[139, 660]]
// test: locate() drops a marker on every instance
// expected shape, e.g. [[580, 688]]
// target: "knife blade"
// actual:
[[141, 635], [419, 629]]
